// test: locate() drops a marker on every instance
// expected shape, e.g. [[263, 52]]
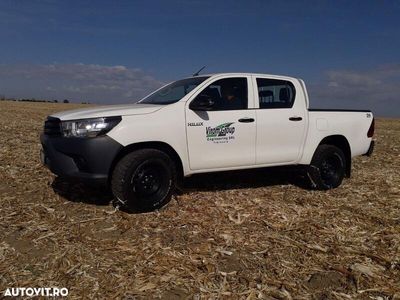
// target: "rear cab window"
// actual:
[[275, 93]]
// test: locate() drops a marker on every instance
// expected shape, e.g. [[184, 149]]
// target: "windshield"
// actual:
[[174, 91]]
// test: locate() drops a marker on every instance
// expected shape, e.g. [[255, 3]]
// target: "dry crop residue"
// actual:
[[245, 235]]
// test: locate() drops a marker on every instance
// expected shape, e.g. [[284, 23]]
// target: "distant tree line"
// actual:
[[4, 98]]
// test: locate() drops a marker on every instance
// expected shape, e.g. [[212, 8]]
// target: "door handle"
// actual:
[[295, 118], [246, 120]]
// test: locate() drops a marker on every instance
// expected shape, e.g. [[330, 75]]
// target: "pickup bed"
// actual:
[[204, 123]]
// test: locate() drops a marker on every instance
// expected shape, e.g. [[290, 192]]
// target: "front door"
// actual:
[[224, 136]]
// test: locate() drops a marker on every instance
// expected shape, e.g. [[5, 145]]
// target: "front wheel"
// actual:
[[327, 168], [144, 180]]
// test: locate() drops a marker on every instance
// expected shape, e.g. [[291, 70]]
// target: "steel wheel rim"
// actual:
[[148, 179]]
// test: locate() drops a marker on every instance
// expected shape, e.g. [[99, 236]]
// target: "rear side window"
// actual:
[[273, 93]]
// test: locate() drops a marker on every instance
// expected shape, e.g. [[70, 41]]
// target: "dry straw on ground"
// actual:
[[247, 235]]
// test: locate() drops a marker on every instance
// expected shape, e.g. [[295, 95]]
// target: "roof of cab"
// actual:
[[245, 74]]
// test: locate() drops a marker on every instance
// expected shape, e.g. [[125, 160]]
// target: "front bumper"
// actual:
[[87, 159]]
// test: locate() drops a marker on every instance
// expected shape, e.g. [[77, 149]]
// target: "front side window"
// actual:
[[227, 94], [273, 93], [174, 91]]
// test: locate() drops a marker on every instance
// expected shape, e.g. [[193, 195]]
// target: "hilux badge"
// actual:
[[195, 124]]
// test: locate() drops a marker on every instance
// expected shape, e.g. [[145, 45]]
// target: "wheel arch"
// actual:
[[162, 146], [342, 143]]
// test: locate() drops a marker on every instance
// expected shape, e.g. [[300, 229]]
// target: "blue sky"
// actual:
[[117, 51]]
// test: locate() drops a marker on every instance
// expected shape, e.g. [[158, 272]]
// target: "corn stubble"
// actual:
[[247, 235]]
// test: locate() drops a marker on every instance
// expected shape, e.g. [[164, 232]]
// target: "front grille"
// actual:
[[52, 126]]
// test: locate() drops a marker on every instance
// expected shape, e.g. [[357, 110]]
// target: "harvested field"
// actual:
[[244, 235]]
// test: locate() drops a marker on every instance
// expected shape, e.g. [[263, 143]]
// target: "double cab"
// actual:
[[205, 123]]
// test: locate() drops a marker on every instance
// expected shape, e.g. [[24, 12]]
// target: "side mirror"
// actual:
[[202, 103]]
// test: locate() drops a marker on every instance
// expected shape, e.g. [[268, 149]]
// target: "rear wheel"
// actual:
[[327, 168], [144, 180]]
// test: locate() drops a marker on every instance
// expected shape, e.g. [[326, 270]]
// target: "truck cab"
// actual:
[[260, 109]]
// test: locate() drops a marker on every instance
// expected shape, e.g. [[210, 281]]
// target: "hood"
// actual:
[[107, 111]]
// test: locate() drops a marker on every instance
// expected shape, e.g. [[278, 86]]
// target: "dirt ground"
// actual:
[[243, 235]]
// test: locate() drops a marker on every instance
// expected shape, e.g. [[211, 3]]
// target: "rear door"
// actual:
[[225, 136], [281, 119]]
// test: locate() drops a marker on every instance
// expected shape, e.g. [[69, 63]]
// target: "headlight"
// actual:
[[88, 127]]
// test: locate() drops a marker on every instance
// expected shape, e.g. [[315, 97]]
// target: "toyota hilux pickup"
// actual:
[[205, 123]]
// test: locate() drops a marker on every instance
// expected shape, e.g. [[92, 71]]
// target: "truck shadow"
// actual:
[[243, 179], [79, 192]]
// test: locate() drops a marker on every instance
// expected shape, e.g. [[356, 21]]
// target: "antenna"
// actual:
[[198, 72]]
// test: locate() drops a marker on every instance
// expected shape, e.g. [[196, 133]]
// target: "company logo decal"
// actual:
[[221, 134]]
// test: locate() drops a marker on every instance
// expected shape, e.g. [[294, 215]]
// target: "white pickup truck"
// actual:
[[205, 123]]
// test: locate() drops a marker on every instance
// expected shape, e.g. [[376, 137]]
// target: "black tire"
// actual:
[[327, 168], [144, 180]]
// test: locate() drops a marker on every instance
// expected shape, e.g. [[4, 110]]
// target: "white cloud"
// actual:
[[377, 89], [78, 82]]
